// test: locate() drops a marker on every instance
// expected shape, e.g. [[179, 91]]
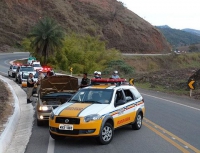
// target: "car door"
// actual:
[[120, 115]]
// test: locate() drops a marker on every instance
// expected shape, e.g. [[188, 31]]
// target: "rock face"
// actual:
[[108, 19]]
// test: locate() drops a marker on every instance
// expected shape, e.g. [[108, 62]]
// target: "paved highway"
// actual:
[[171, 124]]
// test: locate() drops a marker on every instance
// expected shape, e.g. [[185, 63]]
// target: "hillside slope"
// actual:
[[193, 31], [109, 19], [178, 37]]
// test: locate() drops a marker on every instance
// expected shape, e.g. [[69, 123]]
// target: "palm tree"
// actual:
[[46, 37]]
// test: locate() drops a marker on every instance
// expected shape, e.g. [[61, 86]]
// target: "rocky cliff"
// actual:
[[108, 19]]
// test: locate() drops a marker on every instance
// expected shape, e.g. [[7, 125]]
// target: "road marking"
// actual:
[[6, 62], [173, 137], [51, 145], [172, 102]]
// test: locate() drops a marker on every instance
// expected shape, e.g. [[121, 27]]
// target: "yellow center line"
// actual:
[[168, 139]]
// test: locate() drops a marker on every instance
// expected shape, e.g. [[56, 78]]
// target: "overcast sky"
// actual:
[[177, 14]]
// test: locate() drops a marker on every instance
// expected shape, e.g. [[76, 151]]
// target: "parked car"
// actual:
[[97, 110], [21, 69], [36, 65], [12, 70], [54, 91]]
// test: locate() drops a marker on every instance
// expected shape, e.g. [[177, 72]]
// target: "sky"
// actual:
[[177, 14]]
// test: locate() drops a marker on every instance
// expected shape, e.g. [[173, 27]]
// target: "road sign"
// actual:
[[131, 81], [191, 84], [71, 69]]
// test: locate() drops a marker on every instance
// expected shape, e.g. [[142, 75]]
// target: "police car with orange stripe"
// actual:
[[97, 110]]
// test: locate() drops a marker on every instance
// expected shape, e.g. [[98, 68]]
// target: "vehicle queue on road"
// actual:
[[94, 110]]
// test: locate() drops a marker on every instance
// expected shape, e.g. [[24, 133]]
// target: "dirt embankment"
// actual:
[[108, 19], [6, 108]]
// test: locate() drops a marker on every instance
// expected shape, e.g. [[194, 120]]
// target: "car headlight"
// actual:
[[52, 115], [92, 117], [44, 108]]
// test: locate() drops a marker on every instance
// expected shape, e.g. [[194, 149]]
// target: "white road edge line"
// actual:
[[51, 145], [172, 102]]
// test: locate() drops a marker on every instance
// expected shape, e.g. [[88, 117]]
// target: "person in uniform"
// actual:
[[40, 77], [85, 81], [30, 86], [115, 75]]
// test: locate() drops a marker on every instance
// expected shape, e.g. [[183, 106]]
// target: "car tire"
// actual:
[[106, 134], [16, 79], [56, 137], [39, 123], [8, 74], [138, 122]]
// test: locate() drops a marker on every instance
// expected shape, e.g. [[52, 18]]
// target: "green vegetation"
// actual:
[[179, 37], [46, 38], [83, 53]]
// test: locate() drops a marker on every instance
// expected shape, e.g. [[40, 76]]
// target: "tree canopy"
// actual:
[[46, 38]]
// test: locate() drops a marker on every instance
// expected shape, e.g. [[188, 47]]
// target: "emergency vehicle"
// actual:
[[97, 110]]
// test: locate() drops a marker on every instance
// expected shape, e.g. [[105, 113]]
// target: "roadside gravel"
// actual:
[[6, 105]]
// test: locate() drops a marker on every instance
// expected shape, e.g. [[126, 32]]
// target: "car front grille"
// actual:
[[72, 132], [65, 119]]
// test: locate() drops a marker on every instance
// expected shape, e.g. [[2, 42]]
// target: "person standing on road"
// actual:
[[40, 77], [85, 81], [30, 86]]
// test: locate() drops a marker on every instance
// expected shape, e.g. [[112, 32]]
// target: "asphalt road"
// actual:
[[171, 125]]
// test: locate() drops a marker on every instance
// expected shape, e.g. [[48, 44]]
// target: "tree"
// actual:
[[46, 37]]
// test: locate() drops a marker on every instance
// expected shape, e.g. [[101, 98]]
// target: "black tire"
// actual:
[[138, 122], [39, 123], [56, 137], [13, 75], [106, 134], [16, 79], [8, 74]]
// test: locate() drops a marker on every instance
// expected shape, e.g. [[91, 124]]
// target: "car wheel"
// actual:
[[8, 74], [16, 79], [39, 123], [56, 137], [106, 134], [138, 122]]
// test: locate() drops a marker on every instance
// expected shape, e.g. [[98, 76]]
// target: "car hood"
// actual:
[[58, 83], [79, 109]]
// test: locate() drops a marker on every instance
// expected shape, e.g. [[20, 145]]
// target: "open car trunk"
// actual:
[[56, 90]]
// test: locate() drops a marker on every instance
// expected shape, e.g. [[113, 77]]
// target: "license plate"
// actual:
[[65, 127]]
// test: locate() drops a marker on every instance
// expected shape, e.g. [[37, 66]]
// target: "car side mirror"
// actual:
[[120, 102]]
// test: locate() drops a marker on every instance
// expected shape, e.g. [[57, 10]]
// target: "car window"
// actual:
[[102, 96], [129, 95], [135, 93], [15, 67], [36, 65], [119, 96], [27, 69]]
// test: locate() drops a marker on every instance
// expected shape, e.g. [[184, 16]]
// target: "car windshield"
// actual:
[[36, 65], [100, 96], [27, 69], [15, 67]]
